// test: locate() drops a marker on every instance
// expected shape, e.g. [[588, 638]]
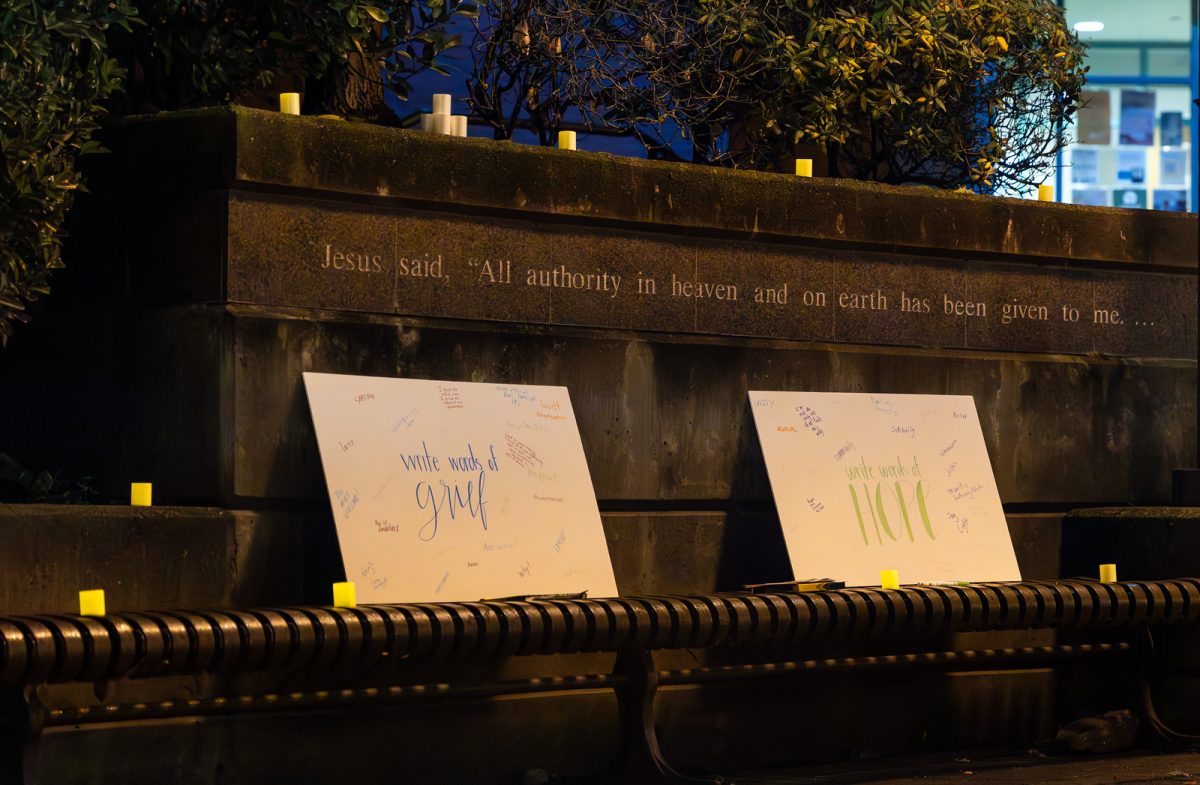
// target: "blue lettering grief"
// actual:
[[456, 498]]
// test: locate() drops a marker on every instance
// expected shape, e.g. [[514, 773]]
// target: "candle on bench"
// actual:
[[1045, 193], [140, 494], [344, 595], [91, 602], [804, 167], [289, 103], [889, 579], [1108, 573]]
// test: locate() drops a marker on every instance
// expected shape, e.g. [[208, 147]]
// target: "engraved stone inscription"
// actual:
[[435, 265], [349, 260]]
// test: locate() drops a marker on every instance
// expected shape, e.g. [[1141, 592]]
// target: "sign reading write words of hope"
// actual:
[[448, 491], [865, 483]]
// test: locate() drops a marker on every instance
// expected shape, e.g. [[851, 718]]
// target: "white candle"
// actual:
[[566, 140], [460, 124], [426, 122], [441, 103], [289, 103], [439, 123]]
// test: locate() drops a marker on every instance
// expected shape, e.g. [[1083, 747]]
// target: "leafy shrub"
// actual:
[[637, 67], [341, 54], [19, 485], [942, 92], [61, 62], [54, 80], [520, 67]]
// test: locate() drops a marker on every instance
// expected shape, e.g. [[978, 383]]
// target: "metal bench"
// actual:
[[331, 643]]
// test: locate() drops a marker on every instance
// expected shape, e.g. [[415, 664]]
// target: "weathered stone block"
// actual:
[[658, 294], [1145, 543], [148, 557], [211, 407]]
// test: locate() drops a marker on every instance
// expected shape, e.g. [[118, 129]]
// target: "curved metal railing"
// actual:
[[62, 648]]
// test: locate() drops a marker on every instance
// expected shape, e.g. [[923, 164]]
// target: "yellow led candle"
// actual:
[[289, 103], [344, 595], [1045, 193], [1108, 573], [91, 602], [140, 494], [566, 140], [804, 167], [889, 579]]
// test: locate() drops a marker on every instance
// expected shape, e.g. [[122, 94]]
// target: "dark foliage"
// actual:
[[522, 58], [19, 485], [343, 55], [55, 77], [952, 93]]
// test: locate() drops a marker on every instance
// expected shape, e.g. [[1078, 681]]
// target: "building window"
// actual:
[[1133, 142]]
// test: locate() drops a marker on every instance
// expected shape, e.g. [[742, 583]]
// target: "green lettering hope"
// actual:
[[898, 496]]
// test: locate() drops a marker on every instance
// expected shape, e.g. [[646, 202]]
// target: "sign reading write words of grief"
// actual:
[[457, 491], [865, 483]]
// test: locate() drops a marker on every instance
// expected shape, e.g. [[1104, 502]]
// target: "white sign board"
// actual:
[[446, 491], [865, 483]]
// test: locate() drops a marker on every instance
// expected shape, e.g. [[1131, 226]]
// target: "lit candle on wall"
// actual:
[[566, 140], [289, 103], [441, 103], [889, 579], [1108, 573], [804, 167], [1045, 193], [91, 602], [140, 494], [344, 595]]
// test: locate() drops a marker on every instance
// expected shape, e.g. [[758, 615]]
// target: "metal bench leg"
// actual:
[[641, 759], [15, 730]]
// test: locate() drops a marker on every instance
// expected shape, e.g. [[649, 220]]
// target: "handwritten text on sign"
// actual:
[[868, 482], [458, 491]]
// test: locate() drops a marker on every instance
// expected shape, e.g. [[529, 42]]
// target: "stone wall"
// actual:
[[222, 253], [227, 251]]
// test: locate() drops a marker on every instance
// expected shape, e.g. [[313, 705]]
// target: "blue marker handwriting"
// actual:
[[516, 395], [406, 421], [347, 500], [456, 498], [810, 419]]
